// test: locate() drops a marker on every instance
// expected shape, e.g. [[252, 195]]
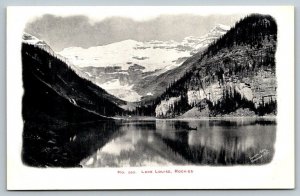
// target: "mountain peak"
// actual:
[[218, 30], [30, 39]]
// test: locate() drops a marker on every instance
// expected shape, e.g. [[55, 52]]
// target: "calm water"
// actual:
[[151, 143]]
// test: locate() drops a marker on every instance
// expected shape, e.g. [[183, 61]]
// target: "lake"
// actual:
[[135, 143]]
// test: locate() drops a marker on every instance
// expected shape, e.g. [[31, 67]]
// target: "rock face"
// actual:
[[260, 89], [215, 92], [165, 107]]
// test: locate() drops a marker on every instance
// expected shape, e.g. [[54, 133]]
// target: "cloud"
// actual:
[[68, 31]]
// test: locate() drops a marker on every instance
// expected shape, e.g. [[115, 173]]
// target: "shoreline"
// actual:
[[199, 119]]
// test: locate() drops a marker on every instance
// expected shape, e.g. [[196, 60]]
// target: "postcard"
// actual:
[[149, 97]]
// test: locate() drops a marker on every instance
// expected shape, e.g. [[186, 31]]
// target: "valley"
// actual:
[[223, 73]]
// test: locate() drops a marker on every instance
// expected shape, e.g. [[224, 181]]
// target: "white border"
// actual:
[[278, 174]]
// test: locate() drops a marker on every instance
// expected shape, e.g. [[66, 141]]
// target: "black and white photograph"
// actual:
[[144, 91]]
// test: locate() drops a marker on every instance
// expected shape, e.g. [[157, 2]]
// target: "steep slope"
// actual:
[[54, 92], [236, 71], [156, 84]]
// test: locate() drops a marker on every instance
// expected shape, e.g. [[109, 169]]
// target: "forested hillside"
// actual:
[[235, 75], [54, 92]]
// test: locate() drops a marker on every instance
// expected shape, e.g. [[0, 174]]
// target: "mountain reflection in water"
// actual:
[[172, 142], [150, 143]]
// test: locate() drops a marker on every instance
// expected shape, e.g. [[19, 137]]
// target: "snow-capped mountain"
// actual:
[[123, 64], [151, 54], [200, 43], [32, 40]]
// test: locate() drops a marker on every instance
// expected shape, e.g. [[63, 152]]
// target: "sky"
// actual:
[[86, 30]]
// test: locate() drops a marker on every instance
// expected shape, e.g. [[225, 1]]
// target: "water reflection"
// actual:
[[172, 142], [48, 145], [221, 142], [150, 143], [138, 146]]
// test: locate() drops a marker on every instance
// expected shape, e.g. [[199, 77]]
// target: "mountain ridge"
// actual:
[[238, 69], [156, 57]]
